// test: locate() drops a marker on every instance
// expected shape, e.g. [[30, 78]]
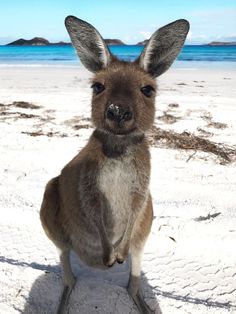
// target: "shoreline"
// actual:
[[179, 65]]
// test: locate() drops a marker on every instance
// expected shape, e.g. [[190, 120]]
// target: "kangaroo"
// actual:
[[100, 205]]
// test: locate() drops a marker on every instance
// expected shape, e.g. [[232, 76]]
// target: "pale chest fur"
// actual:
[[119, 180]]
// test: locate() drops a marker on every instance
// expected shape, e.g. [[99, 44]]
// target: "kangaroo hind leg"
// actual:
[[50, 218], [139, 236], [68, 281]]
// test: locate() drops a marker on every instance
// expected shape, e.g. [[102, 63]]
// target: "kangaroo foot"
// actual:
[[137, 296], [62, 307]]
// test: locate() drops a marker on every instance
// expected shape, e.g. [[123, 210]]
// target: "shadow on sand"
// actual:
[[100, 292]]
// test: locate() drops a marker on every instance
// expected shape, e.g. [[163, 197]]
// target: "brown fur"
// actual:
[[123, 81], [100, 205], [73, 205]]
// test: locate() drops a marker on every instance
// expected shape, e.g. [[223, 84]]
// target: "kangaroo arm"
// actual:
[[122, 249], [94, 204]]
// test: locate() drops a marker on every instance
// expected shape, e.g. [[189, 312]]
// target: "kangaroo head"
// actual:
[[123, 99]]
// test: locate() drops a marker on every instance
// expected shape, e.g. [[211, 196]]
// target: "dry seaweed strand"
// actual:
[[168, 118], [189, 141]]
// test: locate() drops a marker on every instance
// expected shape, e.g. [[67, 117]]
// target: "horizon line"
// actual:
[[64, 43]]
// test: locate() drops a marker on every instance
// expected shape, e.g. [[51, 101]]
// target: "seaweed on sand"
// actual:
[[189, 141]]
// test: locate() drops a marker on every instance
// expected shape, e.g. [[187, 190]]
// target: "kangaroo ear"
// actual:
[[89, 44], [163, 47]]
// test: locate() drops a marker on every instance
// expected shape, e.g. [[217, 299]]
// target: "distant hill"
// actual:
[[117, 42], [39, 41], [221, 43], [142, 43], [36, 41]]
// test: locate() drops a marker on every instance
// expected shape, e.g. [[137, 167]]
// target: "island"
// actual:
[[142, 43], [39, 41], [114, 42], [36, 41], [221, 43]]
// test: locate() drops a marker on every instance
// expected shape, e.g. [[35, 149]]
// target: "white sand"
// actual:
[[189, 265]]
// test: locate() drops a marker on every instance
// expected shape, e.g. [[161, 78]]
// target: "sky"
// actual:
[[129, 20]]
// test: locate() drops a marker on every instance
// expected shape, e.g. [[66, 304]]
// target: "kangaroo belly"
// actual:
[[117, 181]]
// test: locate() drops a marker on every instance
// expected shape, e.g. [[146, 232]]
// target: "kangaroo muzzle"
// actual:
[[119, 114]]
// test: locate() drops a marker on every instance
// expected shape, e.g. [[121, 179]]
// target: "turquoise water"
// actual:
[[66, 56]]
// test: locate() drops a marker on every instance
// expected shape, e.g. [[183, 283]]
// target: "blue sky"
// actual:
[[128, 20]]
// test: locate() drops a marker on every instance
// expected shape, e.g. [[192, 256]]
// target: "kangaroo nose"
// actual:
[[118, 113]]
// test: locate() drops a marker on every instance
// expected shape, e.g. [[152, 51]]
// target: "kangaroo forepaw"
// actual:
[[109, 259], [121, 254], [121, 257], [118, 255]]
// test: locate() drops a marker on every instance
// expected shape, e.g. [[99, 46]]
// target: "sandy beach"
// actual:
[[189, 261]]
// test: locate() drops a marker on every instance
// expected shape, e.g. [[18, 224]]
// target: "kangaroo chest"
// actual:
[[118, 180]]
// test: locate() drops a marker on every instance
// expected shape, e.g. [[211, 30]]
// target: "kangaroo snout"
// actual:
[[119, 114]]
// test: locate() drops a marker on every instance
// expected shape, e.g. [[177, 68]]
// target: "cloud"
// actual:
[[215, 14], [146, 34], [193, 38], [212, 25], [190, 35], [227, 38]]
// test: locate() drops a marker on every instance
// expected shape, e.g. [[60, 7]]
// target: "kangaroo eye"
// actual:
[[98, 88], [148, 90]]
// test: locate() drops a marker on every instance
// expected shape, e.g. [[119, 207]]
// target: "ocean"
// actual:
[[190, 56]]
